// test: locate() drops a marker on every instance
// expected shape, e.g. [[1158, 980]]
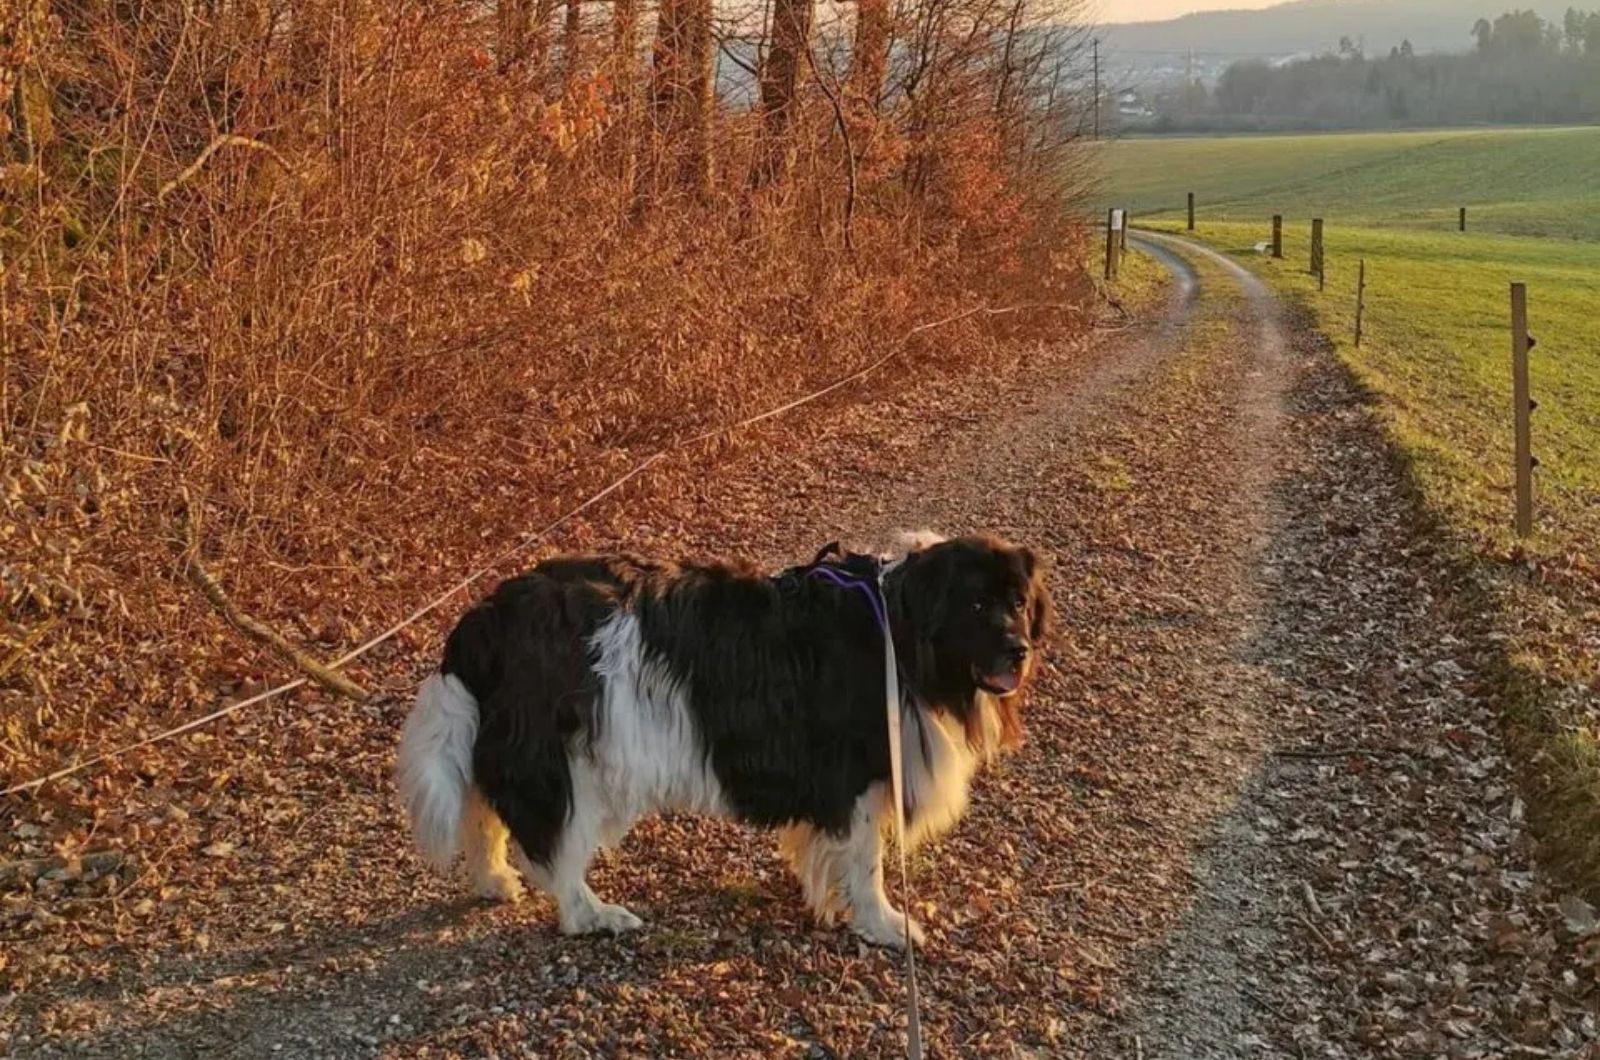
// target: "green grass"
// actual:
[[1437, 351], [1529, 182]]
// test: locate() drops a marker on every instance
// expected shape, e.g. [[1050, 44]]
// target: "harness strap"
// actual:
[[873, 590]]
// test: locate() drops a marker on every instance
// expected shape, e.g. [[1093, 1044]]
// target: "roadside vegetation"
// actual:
[[308, 309]]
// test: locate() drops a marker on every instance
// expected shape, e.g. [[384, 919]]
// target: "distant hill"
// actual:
[[1309, 27]]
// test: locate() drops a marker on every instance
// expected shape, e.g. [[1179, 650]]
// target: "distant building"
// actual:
[[1131, 104]]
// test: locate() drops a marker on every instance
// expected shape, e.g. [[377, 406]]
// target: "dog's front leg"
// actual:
[[871, 915]]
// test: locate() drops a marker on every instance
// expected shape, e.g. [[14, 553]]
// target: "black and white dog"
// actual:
[[595, 690]]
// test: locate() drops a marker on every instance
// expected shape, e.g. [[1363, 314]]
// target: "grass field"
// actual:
[[1436, 355], [1531, 182], [1437, 349]]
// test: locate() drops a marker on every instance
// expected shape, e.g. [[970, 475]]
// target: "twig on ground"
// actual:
[[324, 675], [1341, 752]]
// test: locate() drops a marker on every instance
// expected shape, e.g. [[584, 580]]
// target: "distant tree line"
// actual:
[[1524, 69]]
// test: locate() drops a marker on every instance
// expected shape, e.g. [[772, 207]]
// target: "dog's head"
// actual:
[[970, 617]]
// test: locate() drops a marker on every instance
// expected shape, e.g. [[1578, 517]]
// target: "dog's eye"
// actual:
[[979, 607]]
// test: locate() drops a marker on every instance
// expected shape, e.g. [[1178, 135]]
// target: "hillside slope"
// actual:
[[1317, 25]]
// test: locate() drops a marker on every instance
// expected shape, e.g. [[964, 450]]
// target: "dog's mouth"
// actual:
[[1003, 682]]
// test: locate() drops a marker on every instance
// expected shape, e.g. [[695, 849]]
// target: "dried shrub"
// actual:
[[357, 292]]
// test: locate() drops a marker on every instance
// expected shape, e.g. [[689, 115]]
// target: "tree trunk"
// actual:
[[624, 87], [513, 28], [780, 82], [624, 40], [869, 57], [572, 42], [681, 94], [28, 96]]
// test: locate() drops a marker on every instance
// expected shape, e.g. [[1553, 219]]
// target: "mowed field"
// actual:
[[1436, 354], [1529, 182]]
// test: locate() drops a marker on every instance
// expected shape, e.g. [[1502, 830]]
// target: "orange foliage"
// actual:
[[375, 303]]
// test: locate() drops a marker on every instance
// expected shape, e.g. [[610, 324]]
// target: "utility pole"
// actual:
[[1097, 88]]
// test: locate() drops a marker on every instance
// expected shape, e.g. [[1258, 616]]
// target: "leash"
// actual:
[[873, 590]]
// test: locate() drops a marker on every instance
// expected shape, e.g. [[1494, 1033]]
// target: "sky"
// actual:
[[1147, 10]]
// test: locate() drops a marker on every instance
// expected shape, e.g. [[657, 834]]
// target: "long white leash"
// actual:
[[891, 683]]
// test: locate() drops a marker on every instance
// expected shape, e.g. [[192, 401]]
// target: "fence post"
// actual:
[[1277, 236], [1361, 299], [1127, 220], [1316, 254], [1522, 401], [1111, 244], [1463, 218], [1191, 211]]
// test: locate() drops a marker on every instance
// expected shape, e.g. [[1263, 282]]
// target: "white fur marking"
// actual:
[[937, 767], [845, 873], [649, 755], [434, 769], [646, 757]]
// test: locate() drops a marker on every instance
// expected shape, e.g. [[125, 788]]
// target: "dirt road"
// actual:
[[1259, 814]]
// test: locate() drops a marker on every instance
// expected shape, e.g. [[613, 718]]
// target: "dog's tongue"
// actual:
[[1005, 682]]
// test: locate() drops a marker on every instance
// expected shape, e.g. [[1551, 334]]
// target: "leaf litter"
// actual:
[[1235, 580]]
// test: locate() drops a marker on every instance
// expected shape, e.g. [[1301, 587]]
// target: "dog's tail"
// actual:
[[435, 765]]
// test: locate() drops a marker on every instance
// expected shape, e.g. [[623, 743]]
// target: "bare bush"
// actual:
[[355, 291]]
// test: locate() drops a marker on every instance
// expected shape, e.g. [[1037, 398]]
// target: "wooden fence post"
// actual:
[[1522, 402], [1463, 218], [1127, 219], [1317, 269], [1111, 245], [1277, 236], [1361, 299], [1191, 211]]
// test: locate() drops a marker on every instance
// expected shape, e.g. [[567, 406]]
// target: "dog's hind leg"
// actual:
[[484, 836], [590, 824]]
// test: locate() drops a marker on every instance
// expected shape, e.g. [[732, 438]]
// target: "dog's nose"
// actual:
[[1016, 650]]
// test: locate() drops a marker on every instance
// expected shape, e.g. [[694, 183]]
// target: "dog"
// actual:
[[595, 690]]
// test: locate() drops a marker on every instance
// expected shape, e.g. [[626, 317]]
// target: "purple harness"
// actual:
[[870, 589]]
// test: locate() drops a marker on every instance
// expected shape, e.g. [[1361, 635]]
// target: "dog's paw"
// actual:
[[600, 919], [887, 929], [497, 887]]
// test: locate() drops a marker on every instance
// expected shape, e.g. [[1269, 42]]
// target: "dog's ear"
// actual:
[[1041, 609], [928, 584]]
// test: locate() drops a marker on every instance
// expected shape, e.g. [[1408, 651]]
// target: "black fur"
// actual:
[[784, 675]]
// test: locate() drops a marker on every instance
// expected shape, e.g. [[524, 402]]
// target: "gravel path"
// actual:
[[1259, 812]]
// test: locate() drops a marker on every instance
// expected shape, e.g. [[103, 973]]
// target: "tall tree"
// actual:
[[1483, 29], [869, 55], [26, 118], [780, 82], [682, 92], [572, 42]]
